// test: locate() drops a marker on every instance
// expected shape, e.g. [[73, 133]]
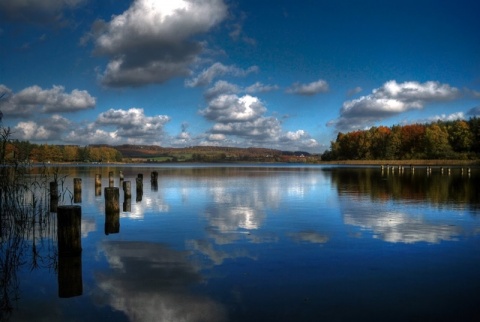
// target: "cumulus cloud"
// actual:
[[391, 99], [319, 86], [447, 117], [133, 123], [152, 41], [241, 121], [35, 99], [231, 108], [37, 12], [118, 126], [216, 70], [221, 87], [47, 129]]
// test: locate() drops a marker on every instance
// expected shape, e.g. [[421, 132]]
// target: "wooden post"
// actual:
[[77, 190], [127, 196], [112, 210], [127, 204], [127, 189], [69, 223], [121, 176]]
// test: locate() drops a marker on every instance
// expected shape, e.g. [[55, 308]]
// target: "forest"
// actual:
[[453, 140], [25, 151]]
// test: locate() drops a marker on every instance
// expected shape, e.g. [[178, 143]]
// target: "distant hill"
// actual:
[[155, 153]]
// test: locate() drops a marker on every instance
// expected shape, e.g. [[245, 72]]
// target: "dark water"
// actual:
[[260, 243]]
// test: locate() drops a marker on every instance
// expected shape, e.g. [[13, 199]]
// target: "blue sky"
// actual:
[[280, 74]]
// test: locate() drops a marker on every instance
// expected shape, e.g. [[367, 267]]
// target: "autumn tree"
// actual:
[[460, 136], [436, 142]]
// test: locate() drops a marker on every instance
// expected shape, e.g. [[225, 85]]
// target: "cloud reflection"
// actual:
[[150, 282], [398, 227]]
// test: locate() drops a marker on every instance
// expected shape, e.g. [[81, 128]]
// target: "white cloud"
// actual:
[[449, 117], [241, 121], [133, 123], [391, 99], [319, 86], [231, 108], [216, 70], [47, 129], [221, 87], [34, 99], [151, 42]]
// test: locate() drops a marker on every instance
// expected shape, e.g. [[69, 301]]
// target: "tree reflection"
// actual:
[[456, 189]]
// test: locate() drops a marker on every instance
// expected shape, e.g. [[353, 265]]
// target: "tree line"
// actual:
[[459, 139], [25, 151]]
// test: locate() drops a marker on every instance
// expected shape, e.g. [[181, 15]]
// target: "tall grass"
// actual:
[[27, 231]]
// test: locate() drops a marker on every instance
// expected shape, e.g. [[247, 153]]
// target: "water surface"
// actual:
[[262, 243]]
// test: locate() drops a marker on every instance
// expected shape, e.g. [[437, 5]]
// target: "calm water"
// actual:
[[261, 243]]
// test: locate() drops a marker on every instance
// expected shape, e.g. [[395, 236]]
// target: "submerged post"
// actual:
[[112, 210], [69, 223]]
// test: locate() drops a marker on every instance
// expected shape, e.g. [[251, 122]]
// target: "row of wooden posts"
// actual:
[[69, 223], [401, 169]]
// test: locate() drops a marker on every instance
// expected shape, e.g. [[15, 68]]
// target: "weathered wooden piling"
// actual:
[[70, 282], [127, 189], [112, 196], [77, 190], [112, 210], [110, 179], [69, 223], [127, 204], [121, 176]]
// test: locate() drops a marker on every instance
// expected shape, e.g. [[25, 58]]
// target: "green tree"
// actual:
[[460, 136], [436, 142]]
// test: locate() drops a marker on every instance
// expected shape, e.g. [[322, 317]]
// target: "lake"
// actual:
[[256, 243]]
